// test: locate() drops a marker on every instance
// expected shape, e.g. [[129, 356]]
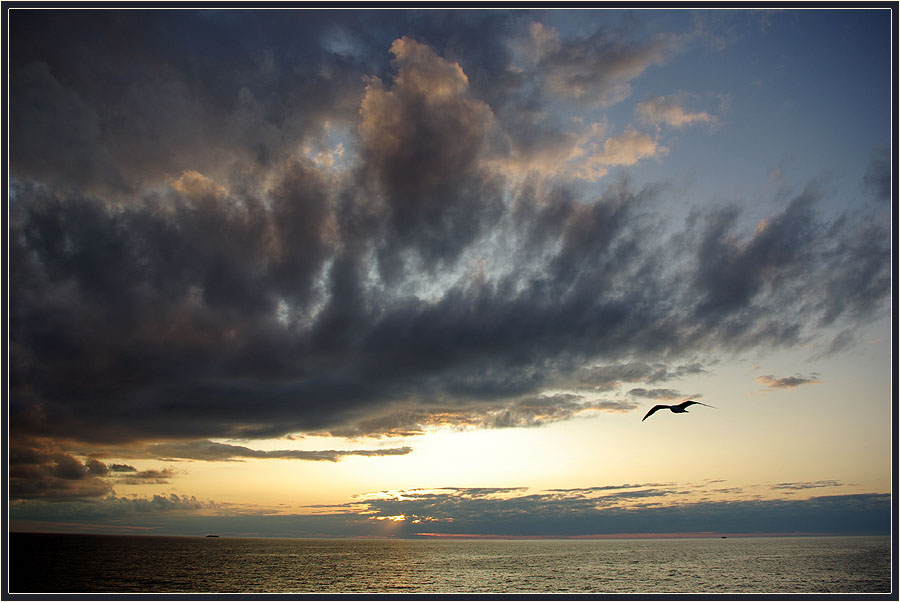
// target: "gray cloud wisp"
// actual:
[[212, 451], [787, 382]]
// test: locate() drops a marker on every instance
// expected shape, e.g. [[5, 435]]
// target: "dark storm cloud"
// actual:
[[732, 272], [43, 109], [788, 382], [138, 95], [757, 289], [190, 273], [854, 269]]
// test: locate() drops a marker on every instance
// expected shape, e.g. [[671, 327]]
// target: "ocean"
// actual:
[[44, 563]]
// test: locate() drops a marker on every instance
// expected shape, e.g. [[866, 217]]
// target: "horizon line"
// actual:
[[473, 536]]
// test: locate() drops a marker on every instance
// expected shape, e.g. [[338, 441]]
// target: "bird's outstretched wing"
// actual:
[[691, 402], [653, 409]]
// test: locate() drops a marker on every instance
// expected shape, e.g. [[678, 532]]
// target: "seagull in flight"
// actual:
[[681, 408]]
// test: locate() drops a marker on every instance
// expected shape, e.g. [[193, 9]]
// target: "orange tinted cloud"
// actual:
[[788, 382]]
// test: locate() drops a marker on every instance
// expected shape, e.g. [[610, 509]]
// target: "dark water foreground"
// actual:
[[99, 563]]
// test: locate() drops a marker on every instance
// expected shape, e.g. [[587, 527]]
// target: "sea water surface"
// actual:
[[46, 563]]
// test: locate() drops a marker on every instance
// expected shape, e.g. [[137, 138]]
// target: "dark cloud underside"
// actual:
[[181, 268]]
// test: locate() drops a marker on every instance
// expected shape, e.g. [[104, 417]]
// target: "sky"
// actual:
[[421, 273]]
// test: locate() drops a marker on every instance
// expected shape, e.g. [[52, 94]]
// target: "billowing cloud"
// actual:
[[787, 382], [422, 138]]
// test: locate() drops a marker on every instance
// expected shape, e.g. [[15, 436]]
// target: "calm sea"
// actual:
[[99, 563]]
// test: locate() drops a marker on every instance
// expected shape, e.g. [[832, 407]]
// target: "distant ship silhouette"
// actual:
[[212, 535]]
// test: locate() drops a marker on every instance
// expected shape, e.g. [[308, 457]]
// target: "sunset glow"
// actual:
[[397, 273]]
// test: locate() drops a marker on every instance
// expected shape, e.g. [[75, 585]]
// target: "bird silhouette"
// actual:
[[681, 408]]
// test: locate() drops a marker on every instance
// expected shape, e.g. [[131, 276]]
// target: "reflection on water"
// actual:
[[95, 563]]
